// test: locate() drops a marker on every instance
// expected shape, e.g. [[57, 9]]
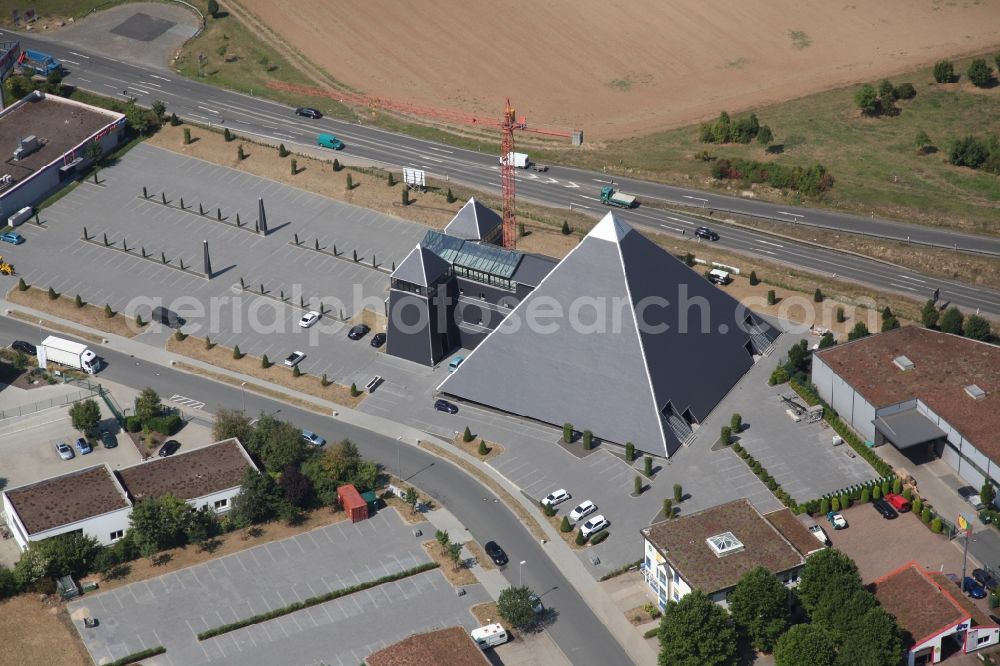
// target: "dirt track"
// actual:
[[622, 67]]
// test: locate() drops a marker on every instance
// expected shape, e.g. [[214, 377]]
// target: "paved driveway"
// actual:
[[172, 609]]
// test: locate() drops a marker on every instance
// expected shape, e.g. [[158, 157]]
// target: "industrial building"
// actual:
[[927, 393], [43, 139]]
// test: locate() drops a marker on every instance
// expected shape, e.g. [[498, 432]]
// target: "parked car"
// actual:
[[706, 233], [308, 112], [973, 588], [378, 340], [313, 438], [169, 448], [536, 604], [83, 446], [719, 276], [582, 511], [593, 526], [820, 534], [24, 347], [294, 359], [64, 451], [445, 406], [836, 520], [985, 578], [109, 440], [309, 318], [358, 332], [898, 502], [496, 553], [556, 497], [168, 317], [885, 509], [12, 237]]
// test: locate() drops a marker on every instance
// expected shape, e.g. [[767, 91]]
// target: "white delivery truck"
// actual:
[[519, 160], [489, 636], [66, 352]]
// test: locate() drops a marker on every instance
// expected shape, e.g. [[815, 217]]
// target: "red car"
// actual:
[[898, 502]]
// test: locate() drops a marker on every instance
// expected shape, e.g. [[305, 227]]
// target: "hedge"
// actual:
[[652, 632], [766, 478], [139, 656], [133, 424], [313, 601], [625, 568], [599, 537], [165, 425]]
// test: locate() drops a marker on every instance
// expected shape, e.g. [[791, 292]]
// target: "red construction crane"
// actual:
[[507, 124]]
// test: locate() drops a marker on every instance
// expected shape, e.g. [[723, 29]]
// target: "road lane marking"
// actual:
[[907, 277], [205, 108], [154, 76], [72, 62], [80, 55], [901, 286], [768, 243]]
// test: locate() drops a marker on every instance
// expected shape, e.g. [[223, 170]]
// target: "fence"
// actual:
[[41, 405]]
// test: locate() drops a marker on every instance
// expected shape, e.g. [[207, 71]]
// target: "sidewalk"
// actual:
[[558, 552]]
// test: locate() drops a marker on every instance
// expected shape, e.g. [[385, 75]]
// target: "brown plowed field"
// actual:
[[617, 68]]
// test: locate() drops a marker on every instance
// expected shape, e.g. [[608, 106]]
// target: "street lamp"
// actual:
[[243, 390], [519, 569]]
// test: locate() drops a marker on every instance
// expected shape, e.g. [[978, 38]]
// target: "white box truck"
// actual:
[[519, 160], [489, 636], [66, 352]]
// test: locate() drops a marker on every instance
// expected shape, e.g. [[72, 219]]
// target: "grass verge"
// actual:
[[256, 388], [65, 307], [139, 656], [472, 448], [458, 576]]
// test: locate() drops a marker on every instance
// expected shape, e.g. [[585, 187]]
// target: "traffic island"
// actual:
[[458, 575], [477, 445]]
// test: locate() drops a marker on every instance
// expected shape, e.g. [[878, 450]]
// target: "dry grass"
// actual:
[[39, 633], [639, 615], [181, 558], [49, 324], [486, 613], [277, 374], [477, 551], [409, 516], [526, 518], [472, 448], [457, 576], [65, 307], [568, 537]]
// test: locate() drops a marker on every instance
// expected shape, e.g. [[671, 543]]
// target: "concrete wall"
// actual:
[[847, 402]]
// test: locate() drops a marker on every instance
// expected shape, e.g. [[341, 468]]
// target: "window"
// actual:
[[677, 577], [221, 504], [677, 597], [982, 639], [116, 535]]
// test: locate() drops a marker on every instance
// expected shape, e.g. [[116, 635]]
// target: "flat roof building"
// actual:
[[452, 646]]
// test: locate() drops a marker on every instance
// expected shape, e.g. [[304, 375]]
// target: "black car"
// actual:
[[985, 579], [445, 406], [108, 440], [706, 233], [169, 448], [378, 339], [24, 347], [308, 112], [885, 509], [496, 553], [358, 332]]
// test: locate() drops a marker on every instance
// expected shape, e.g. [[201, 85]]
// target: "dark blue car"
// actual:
[[973, 588]]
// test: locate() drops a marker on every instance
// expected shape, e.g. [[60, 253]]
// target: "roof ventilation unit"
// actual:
[[975, 392], [903, 363]]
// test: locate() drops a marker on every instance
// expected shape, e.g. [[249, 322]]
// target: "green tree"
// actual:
[[93, 151], [922, 141], [944, 71], [411, 498], [968, 152], [980, 74], [952, 321], [564, 525], [259, 499], [859, 331], [566, 230], [213, 8], [805, 645], [905, 91], [759, 606], [30, 568], [827, 340], [467, 436], [138, 119], [567, 436], [818, 295], [824, 571], [866, 99], [231, 423], [296, 488], [442, 537], [839, 609], [987, 494], [148, 405], [764, 137], [277, 443], [455, 554], [516, 606], [889, 324], [158, 523], [678, 493], [696, 631], [873, 641], [85, 415], [976, 328], [70, 554], [8, 583], [929, 314], [886, 92]]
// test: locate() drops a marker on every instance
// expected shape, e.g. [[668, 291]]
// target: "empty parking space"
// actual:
[[172, 609]]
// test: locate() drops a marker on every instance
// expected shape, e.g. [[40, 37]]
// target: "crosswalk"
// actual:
[[184, 401]]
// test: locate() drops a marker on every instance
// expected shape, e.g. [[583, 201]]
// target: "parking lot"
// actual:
[[172, 609], [218, 307]]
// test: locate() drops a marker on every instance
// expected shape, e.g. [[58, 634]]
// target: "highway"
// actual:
[[576, 629], [560, 186]]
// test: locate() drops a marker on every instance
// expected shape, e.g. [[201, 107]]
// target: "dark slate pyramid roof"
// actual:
[[421, 266], [473, 221], [629, 344]]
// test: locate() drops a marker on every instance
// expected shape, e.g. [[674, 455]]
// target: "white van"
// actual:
[[719, 276], [489, 636]]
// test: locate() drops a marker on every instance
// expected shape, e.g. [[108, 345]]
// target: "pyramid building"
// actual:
[[621, 339]]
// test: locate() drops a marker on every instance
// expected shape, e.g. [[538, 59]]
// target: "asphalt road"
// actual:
[[577, 630], [560, 186]]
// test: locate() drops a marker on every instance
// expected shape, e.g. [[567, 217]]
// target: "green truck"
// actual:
[[611, 197]]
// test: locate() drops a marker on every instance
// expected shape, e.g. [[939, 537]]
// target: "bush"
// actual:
[[866, 495], [451, 198], [547, 509], [736, 423], [637, 485], [108, 312], [925, 515], [187, 135], [778, 376], [599, 537], [391, 180], [897, 485], [771, 298], [265, 362], [818, 295], [237, 354], [174, 120], [668, 508], [905, 91], [917, 505], [876, 492], [580, 540], [647, 465], [483, 449], [405, 197], [968, 152], [824, 506], [240, 153], [944, 71], [678, 493], [133, 424], [754, 281], [324, 382], [840, 316], [227, 135], [53, 295], [866, 99], [142, 654], [936, 526], [629, 452], [296, 372], [165, 425], [294, 166], [980, 74], [566, 230], [567, 436], [835, 504], [138, 321], [350, 182], [564, 526], [811, 181], [908, 493], [354, 391], [336, 166], [726, 435], [282, 151], [467, 435], [588, 440]]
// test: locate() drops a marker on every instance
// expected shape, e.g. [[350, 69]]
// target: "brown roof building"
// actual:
[[929, 608], [712, 549], [189, 475], [67, 499], [451, 646]]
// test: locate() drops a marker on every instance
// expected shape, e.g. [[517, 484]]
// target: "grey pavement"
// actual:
[[171, 609]]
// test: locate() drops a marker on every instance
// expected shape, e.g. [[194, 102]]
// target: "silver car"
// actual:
[[65, 451]]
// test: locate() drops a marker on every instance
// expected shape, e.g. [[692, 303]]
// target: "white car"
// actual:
[[585, 509], [309, 318], [64, 451], [294, 359], [820, 534], [593, 526], [312, 438], [556, 497]]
